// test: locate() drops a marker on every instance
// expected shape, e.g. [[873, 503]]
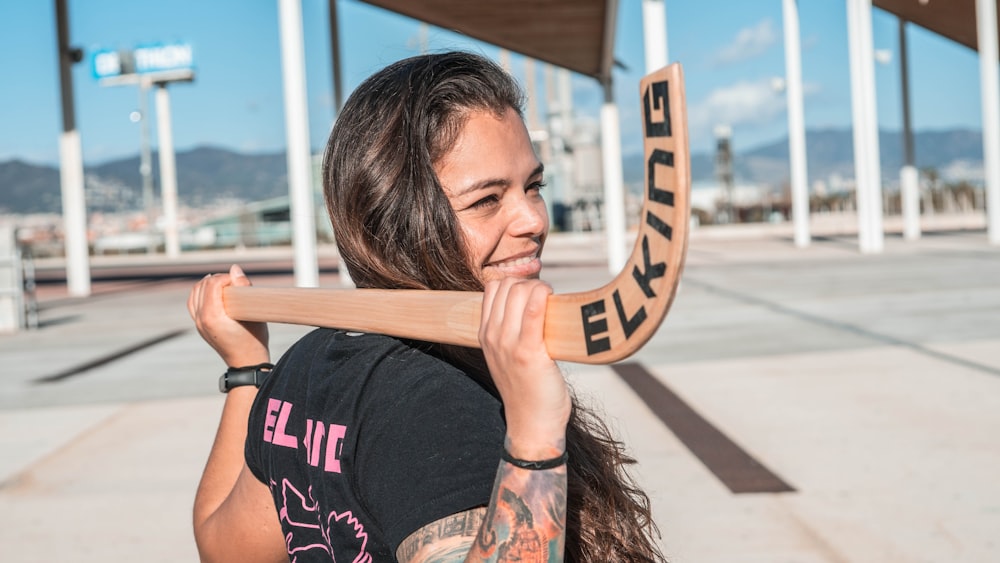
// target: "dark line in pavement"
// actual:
[[737, 469], [838, 325], [77, 370]]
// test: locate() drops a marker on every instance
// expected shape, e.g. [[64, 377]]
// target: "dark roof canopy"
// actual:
[[954, 19], [574, 34]]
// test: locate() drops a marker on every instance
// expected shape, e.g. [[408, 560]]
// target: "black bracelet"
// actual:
[[536, 465]]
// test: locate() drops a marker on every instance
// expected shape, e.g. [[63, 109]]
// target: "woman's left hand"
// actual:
[[238, 343], [535, 396]]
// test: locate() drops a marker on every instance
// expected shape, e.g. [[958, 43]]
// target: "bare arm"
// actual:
[[234, 514], [526, 517]]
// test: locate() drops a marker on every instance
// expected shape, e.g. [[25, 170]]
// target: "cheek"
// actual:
[[481, 239], [480, 246]]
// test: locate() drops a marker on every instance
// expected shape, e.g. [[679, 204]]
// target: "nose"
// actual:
[[529, 217]]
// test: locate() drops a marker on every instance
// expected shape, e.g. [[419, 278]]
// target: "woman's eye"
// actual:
[[536, 186], [486, 201]]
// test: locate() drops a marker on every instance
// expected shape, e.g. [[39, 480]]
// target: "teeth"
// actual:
[[514, 263]]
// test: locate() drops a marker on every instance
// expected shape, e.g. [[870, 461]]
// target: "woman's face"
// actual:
[[493, 180]]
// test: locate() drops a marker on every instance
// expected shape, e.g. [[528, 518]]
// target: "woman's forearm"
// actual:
[[225, 460], [526, 519]]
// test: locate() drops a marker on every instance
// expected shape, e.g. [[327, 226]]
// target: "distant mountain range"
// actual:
[[209, 174], [204, 175], [830, 152]]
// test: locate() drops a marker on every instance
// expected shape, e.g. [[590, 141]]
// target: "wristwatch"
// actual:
[[247, 375]]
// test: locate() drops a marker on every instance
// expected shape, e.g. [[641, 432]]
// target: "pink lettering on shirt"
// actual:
[[273, 406], [333, 442], [275, 422], [280, 438], [315, 438]]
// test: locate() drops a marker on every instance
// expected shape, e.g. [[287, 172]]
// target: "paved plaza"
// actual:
[[868, 384]]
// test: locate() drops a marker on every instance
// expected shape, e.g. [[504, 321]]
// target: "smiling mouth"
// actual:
[[525, 266], [524, 260]]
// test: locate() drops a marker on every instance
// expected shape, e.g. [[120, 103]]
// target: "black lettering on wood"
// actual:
[[594, 327], [651, 270], [657, 98], [658, 224], [665, 158], [629, 325]]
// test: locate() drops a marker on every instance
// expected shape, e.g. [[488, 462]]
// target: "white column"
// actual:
[[857, 115], [909, 189], [614, 190], [560, 100], [168, 171], [11, 283], [654, 33], [146, 166], [910, 200], [796, 123], [74, 211], [877, 235], [866, 146], [531, 87], [74, 205], [300, 185], [986, 17]]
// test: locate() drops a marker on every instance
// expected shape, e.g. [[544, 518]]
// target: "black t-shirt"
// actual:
[[363, 439]]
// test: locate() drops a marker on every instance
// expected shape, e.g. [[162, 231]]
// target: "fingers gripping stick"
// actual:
[[601, 326]]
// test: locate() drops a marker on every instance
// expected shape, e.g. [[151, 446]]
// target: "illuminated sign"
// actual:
[[143, 60]]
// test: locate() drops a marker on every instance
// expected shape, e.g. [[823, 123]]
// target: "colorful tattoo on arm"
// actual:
[[525, 522], [447, 539], [527, 517]]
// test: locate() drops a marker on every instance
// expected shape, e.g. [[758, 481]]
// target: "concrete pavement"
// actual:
[[870, 384]]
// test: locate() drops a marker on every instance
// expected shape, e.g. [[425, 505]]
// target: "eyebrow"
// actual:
[[491, 182]]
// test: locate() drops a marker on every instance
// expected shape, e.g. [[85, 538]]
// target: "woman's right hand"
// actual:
[[535, 395], [238, 343]]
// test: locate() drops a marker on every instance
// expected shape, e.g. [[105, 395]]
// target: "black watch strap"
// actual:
[[247, 375]]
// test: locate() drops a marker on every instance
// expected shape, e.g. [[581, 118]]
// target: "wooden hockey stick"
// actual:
[[601, 326]]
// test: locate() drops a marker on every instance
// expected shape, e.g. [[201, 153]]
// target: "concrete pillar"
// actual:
[[168, 172], [909, 191], [614, 189], [796, 123], [986, 18], [74, 206], [74, 212], [910, 202], [866, 145], [11, 283], [299, 154], [654, 33]]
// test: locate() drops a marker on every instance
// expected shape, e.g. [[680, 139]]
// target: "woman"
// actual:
[[368, 447]]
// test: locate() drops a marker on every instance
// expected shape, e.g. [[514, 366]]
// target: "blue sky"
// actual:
[[731, 52]]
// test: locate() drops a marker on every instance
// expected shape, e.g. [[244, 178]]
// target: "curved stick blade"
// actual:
[[601, 326], [611, 323]]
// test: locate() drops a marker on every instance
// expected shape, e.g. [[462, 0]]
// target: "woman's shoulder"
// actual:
[[380, 380], [373, 360]]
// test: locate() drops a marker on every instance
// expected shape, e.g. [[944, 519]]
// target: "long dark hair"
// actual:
[[396, 229]]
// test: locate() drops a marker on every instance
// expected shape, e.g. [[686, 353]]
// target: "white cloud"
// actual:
[[738, 104], [754, 104], [749, 42]]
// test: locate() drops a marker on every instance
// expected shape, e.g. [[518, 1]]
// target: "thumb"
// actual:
[[237, 276]]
